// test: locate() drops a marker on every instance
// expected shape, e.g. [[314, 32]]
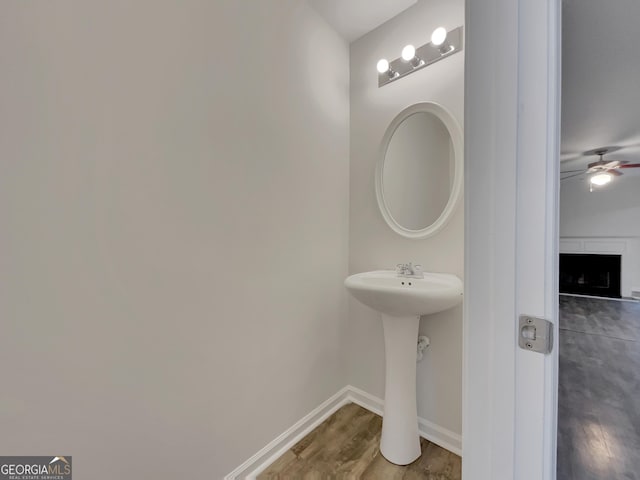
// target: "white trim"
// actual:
[[366, 400], [489, 330], [277, 447], [537, 232], [434, 433], [627, 247], [511, 236], [631, 299], [442, 437]]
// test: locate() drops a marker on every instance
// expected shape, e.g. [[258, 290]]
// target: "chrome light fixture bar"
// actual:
[[414, 59]]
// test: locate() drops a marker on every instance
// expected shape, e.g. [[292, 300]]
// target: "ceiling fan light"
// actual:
[[600, 179]]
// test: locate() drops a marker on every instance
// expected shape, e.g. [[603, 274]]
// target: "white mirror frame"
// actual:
[[456, 139]]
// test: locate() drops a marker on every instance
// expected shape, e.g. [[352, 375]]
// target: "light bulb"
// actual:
[[601, 179], [438, 36], [383, 65], [408, 53]]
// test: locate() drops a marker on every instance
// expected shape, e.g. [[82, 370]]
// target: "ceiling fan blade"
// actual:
[[582, 170], [612, 164], [630, 165], [615, 172]]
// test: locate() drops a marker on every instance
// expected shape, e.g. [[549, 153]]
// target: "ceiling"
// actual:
[[600, 69], [600, 80], [353, 18]]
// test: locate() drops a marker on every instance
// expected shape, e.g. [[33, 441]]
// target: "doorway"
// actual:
[[599, 322]]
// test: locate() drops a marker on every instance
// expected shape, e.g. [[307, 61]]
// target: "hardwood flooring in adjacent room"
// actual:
[[345, 446], [599, 390]]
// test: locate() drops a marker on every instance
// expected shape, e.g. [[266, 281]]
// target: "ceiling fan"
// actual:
[[602, 171]]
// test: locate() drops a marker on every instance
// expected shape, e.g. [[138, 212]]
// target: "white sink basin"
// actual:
[[401, 301], [384, 291]]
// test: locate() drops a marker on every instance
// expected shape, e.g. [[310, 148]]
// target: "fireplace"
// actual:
[[590, 274]]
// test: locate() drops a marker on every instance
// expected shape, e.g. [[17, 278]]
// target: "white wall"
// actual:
[[372, 244], [612, 211], [173, 201]]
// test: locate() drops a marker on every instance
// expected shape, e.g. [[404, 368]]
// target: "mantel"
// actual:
[[627, 247]]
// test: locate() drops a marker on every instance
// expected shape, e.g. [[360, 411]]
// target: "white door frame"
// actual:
[[512, 85]]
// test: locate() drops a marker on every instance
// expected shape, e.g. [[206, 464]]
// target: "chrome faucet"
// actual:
[[409, 270]]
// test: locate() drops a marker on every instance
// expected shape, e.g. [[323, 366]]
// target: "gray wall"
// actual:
[[174, 211], [372, 244]]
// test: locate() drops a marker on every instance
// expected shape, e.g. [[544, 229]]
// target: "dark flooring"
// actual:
[[599, 390], [345, 446]]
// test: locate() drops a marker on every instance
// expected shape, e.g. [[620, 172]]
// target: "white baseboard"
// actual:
[[287, 439], [623, 299], [260, 461], [441, 436], [434, 433]]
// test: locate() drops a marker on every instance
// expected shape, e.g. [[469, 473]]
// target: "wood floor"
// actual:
[[599, 390], [345, 446]]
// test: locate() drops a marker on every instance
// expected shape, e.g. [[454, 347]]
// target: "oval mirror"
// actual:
[[419, 172]]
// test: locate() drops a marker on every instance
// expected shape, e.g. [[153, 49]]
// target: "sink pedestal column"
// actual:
[[400, 440]]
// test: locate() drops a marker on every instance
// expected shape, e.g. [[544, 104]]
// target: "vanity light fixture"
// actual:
[[384, 68], [442, 45], [409, 55], [439, 39]]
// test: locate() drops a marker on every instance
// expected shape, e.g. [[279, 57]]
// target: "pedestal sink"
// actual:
[[401, 301]]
